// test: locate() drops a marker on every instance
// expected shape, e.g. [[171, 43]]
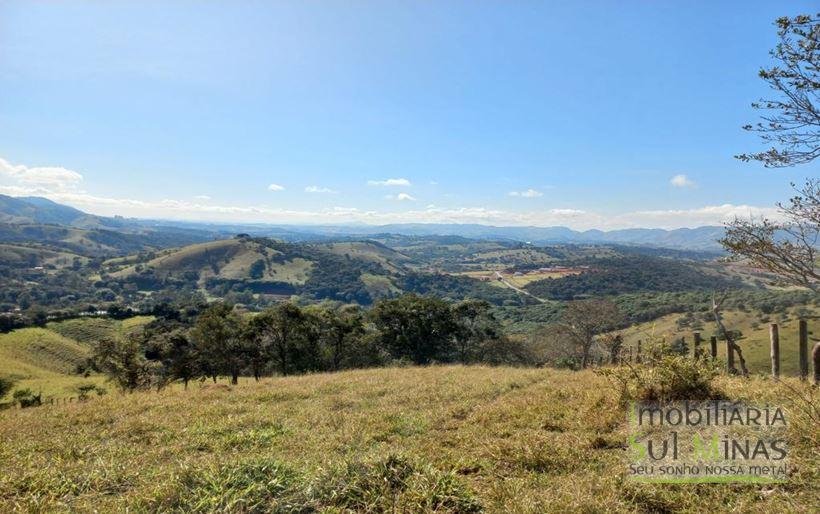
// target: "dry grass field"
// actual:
[[431, 439], [754, 327], [519, 281]]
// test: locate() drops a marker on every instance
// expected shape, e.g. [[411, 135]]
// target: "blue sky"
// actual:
[[541, 113]]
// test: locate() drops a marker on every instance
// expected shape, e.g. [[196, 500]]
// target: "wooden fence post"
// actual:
[[774, 337], [804, 350], [713, 347], [815, 355], [730, 356], [696, 350], [638, 352]]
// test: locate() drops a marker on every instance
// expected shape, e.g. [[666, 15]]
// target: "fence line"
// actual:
[[732, 349]]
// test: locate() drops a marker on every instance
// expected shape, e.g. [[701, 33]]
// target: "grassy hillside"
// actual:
[[754, 328], [91, 330], [42, 361], [94, 242], [32, 256], [45, 359], [233, 259], [259, 270], [450, 439]]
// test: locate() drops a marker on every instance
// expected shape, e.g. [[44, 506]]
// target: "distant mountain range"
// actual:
[[37, 210], [34, 209], [701, 238]]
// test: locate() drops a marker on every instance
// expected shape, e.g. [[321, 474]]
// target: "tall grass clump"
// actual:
[[393, 484], [247, 487], [666, 376]]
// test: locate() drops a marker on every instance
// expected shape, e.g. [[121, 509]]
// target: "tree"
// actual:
[[180, 358], [788, 248], [613, 344], [276, 335], [792, 119], [257, 269], [583, 320], [218, 338], [124, 361], [339, 331], [417, 328], [476, 326]]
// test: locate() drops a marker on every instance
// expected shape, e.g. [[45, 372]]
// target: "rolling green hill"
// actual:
[[18, 256], [45, 359], [349, 271], [95, 242], [263, 264]]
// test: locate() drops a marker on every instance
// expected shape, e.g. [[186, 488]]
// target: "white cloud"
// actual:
[[318, 189], [401, 197], [202, 197], [275, 187], [696, 217], [391, 182], [682, 181], [529, 193], [62, 186], [42, 176]]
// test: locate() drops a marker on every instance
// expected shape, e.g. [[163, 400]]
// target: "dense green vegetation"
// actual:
[[287, 339], [645, 307], [632, 274]]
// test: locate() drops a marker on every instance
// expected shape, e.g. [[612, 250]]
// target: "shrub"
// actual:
[[26, 398], [5, 386], [679, 347], [85, 391], [566, 363], [665, 376]]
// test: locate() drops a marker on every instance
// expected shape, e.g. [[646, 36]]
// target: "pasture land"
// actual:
[[449, 439], [45, 360], [754, 327]]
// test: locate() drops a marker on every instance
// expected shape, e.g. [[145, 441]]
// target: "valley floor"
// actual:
[[459, 439]]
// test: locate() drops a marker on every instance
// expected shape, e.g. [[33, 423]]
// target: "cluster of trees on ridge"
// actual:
[[288, 339], [630, 274]]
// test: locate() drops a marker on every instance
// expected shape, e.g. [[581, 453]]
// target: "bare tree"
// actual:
[[788, 248], [791, 122], [583, 320], [612, 344]]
